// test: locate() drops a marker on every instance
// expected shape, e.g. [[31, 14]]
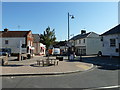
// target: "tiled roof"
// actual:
[[36, 37], [80, 36], [14, 33], [115, 30], [61, 43]]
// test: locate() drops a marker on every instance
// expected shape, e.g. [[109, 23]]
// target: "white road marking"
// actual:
[[12, 77], [108, 87]]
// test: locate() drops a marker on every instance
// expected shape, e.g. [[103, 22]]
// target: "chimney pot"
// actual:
[[5, 30], [83, 31]]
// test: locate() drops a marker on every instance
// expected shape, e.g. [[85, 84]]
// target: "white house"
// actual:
[[111, 42], [17, 41], [86, 43]]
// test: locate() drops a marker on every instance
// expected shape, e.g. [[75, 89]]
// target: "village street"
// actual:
[[60, 45], [104, 75], [91, 79]]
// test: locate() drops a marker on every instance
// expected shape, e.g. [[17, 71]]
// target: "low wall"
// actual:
[[3, 60]]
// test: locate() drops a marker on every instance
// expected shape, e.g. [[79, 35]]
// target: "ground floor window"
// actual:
[[112, 42], [81, 52]]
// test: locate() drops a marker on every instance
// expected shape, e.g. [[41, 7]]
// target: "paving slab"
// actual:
[[29, 67]]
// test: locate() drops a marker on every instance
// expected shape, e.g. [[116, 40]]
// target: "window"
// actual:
[[83, 40], [112, 42], [76, 42], [103, 45], [6, 41], [79, 41], [23, 45], [101, 38]]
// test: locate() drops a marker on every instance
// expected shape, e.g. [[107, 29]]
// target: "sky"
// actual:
[[95, 17]]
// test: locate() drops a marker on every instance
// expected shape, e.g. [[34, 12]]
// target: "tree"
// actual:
[[48, 37]]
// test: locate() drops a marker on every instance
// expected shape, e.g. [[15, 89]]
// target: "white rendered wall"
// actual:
[[14, 44], [107, 50], [80, 44], [94, 45]]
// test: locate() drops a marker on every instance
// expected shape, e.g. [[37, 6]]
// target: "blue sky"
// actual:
[[37, 16]]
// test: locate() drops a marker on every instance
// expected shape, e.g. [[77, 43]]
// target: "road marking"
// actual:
[[12, 77], [109, 87], [83, 66]]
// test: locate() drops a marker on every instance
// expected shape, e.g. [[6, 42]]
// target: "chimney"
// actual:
[[5, 30], [83, 31]]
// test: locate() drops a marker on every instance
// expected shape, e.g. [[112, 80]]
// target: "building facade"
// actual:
[[39, 47], [111, 42], [86, 43], [17, 41]]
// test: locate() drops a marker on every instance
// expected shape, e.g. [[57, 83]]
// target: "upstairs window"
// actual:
[[6, 41], [83, 40], [79, 41], [101, 38], [76, 42], [112, 42]]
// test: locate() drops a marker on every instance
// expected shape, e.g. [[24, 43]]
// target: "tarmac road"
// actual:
[[96, 78]]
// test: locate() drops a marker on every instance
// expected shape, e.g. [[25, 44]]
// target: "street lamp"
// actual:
[[72, 17], [73, 44]]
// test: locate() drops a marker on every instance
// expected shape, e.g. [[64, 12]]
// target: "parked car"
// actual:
[[56, 51], [4, 51]]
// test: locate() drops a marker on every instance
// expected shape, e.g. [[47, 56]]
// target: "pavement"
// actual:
[[29, 67]]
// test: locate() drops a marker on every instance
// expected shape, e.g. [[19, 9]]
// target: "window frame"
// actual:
[[6, 42], [79, 41], [112, 42], [83, 40]]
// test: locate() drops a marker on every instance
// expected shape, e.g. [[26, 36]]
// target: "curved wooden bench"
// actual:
[[45, 62]]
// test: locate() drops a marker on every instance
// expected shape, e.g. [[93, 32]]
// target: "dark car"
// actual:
[[5, 51]]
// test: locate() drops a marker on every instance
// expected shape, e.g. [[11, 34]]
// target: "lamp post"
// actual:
[[72, 17], [73, 43]]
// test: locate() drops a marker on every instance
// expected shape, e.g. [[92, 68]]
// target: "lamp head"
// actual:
[[72, 17]]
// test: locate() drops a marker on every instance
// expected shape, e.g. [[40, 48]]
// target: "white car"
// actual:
[[56, 51]]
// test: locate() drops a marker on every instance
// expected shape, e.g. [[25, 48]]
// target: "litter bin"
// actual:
[[2, 62], [29, 56]]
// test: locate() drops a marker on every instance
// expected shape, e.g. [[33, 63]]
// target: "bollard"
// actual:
[[80, 57], [43, 63], [19, 57], [2, 62], [54, 63], [57, 62]]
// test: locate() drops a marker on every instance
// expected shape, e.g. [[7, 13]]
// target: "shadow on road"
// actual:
[[105, 63], [108, 68], [35, 65], [14, 65]]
